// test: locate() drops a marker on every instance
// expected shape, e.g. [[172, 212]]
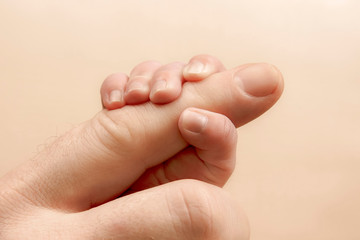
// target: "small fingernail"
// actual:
[[135, 86], [258, 80], [193, 121], [195, 68], [115, 96], [159, 86]]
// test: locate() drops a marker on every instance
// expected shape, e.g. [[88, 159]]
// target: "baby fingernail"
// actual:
[[193, 121], [135, 86], [258, 80], [195, 68], [115, 96], [158, 86]]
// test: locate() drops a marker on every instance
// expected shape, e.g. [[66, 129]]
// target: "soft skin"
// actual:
[[144, 171]]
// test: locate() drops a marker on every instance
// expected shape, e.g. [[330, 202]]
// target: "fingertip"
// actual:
[[166, 85], [115, 99], [193, 121], [259, 79], [112, 91], [202, 66], [208, 130], [137, 91], [138, 86], [162, 94]]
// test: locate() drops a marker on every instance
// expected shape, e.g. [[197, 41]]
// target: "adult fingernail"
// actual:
[[195, 67], [258, 80], [115, 96], [194, 121]]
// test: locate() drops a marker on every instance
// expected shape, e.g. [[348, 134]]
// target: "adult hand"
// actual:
[[70, 190]]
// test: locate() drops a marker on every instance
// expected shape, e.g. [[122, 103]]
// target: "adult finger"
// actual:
[[101, 158], [186, 209]]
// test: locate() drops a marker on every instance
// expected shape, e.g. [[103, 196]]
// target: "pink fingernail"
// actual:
[[258, 80], [115, 96], [195, 67], [193, 121]]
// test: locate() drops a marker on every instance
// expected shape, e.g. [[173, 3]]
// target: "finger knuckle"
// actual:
[[196, 214], [228, 132], [114, 131]]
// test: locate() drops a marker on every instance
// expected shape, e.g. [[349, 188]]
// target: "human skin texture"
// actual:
[[146, 171]]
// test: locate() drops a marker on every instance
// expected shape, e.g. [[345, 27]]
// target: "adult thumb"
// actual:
[[186, 209]]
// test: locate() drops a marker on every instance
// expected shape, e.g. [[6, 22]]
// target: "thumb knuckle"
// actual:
[[197, 210]]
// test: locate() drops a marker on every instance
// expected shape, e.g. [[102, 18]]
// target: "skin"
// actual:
[[166, 158]]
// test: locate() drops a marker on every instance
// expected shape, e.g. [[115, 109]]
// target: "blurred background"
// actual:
[[298, 172]]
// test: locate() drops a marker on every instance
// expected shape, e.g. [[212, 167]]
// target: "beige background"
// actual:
[[298, 170]]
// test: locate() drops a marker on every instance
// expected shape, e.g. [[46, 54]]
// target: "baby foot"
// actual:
[[153, 81]]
